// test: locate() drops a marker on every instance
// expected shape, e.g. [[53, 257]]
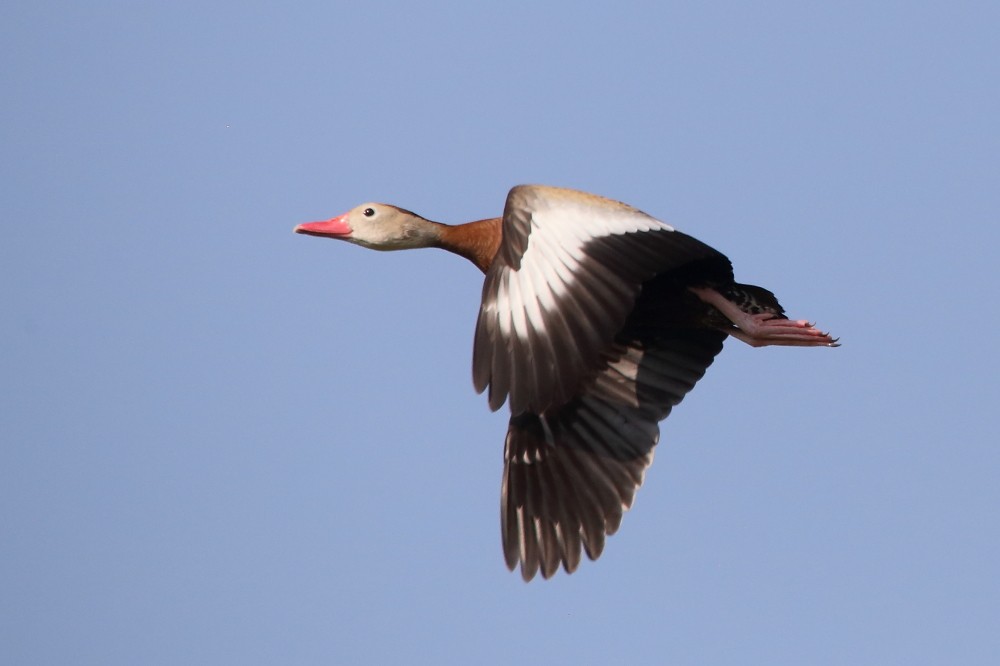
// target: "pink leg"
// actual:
[[761, 330]]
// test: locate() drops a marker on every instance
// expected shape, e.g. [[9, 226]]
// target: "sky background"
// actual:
[[224, 443]]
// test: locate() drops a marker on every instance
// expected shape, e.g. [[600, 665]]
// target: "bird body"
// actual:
[[596, 319]]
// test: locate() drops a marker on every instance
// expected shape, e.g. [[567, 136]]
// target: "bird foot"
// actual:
[[766, 328]]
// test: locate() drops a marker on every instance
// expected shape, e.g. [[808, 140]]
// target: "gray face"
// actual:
[[385, 227]]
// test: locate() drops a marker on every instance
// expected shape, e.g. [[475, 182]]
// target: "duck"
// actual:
[[596, 320]]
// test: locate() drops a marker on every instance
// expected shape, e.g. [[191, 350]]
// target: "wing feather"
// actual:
[[589, 457]]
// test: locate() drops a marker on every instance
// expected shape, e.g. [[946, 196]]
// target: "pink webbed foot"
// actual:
[[764, 329]]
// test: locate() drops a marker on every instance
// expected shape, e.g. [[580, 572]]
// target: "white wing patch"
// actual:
[[554, 252], [567, 275]]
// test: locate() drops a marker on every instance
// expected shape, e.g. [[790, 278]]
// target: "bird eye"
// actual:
[[369, 212]]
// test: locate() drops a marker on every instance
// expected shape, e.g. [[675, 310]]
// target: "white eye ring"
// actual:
[[369, 212]]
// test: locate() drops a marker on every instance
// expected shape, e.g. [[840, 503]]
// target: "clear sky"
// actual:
[[223, 443]]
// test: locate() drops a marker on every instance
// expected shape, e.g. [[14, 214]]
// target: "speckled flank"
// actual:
[[753, 299]]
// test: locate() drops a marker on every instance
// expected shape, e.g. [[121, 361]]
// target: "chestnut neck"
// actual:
[[476, 241]]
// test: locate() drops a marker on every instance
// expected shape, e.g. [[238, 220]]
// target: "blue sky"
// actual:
[[223, 443]]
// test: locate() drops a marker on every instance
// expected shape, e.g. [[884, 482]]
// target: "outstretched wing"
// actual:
[[571, 473], [568, 272]]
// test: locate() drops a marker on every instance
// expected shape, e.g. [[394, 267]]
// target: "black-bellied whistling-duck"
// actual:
[[596, 320]]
